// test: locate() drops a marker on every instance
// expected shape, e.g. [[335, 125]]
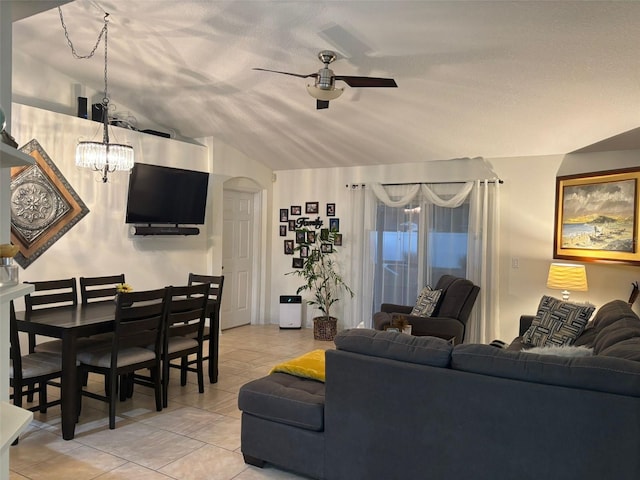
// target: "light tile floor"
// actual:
[[197, 437]]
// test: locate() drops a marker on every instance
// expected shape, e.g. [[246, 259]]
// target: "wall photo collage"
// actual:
[[309, 231]]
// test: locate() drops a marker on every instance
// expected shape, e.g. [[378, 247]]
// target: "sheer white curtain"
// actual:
[[446, 227], [398, 243], [359, 267], [413, 207], [482, 263]]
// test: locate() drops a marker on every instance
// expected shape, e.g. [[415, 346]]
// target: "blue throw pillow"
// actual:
[[557, 322], [426, 302]]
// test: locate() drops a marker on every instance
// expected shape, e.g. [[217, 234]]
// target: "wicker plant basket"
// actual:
[[325, 328]]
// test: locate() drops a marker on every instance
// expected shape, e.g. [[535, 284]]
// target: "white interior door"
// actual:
[[237, 258]]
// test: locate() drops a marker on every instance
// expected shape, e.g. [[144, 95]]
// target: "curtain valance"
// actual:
[[412, 190]]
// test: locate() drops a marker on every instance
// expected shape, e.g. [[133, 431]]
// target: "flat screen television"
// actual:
[[166, 195]]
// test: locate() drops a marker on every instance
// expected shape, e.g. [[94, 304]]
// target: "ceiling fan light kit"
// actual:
[[324, 94], [324, 90]]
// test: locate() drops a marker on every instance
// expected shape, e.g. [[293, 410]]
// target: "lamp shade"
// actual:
[[566, 276]]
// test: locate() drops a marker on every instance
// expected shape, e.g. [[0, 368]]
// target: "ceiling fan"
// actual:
[[324, 89]]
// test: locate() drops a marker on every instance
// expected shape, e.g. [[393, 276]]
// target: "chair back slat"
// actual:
[[187, 310], [99, 288], [139, 319], [52, 293], [216, 282]]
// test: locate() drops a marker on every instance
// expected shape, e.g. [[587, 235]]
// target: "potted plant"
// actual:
[[122, 289], [322, 279]]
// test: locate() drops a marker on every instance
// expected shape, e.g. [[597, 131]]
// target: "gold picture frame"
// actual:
[[596, 217], [43, 205]]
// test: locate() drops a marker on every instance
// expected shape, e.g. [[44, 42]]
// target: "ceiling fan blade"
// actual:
[[367, 81], [320, 104], [288, 73]]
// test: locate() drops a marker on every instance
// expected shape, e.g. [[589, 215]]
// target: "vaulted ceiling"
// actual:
[[476, 78]]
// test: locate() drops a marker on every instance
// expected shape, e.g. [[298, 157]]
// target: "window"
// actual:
[[414, 246], [447, 242]]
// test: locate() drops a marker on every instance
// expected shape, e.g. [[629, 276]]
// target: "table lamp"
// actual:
[[565, 277]]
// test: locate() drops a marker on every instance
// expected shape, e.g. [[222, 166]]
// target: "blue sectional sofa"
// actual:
[[395, 406]]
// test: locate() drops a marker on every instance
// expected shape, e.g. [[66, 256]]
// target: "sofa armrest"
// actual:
[[382, 318], [525, 323], [441, 327], [392, 308]]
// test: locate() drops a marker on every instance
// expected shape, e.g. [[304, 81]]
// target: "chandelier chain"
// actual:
[[103, 157], [105, 100], [73, 49]]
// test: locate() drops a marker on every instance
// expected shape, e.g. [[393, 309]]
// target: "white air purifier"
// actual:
[[290, 311]]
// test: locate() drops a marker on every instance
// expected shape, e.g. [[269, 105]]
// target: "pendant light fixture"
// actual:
[[105, 157]]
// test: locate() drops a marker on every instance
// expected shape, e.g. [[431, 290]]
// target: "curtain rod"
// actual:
[[362, 185]]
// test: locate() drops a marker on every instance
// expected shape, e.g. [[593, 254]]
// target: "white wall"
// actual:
[[54, 91], [296, 187], [234, 170], [528, 209], [527, 219], [101, 243], [331, 185]]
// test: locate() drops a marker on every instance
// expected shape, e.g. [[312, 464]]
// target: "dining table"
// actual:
[[69, 323]]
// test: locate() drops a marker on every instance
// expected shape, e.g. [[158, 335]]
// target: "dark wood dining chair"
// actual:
[[183, 334], [33, 371], [53, 294], [216, 283], [93, 289], [97, 289], [49, 294], [139, 322]]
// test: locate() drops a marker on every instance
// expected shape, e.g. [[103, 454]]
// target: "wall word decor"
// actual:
[[309, 232]]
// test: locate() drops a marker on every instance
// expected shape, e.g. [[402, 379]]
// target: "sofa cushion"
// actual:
[[611, 312], [587, 337], [628, 349], [600, 373], [557, 322], [516, 345], [426, 302], [284, 398], [397, 346], [625, 328]]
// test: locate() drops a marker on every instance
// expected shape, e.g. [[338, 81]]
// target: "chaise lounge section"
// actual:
[[283, 423]]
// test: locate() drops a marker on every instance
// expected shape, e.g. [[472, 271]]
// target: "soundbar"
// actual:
[[146, 230]]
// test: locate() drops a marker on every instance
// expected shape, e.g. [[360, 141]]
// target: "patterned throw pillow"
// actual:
[[426, 303], [557, 322]]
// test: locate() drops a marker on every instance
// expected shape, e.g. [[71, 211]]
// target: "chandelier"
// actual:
[[104, 157]]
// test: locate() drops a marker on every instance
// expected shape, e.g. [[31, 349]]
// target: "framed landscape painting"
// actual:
[[596, 217]]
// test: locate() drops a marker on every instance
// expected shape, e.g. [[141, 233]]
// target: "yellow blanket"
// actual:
[[309, 365]]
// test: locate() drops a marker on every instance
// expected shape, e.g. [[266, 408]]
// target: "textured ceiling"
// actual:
[[477, 78]]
